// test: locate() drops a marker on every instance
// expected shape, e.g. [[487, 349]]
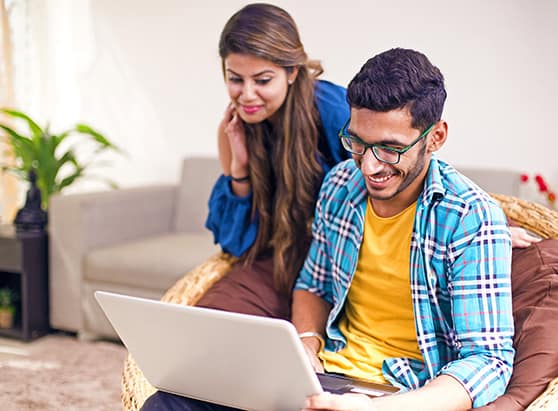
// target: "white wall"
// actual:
[[147, 73]]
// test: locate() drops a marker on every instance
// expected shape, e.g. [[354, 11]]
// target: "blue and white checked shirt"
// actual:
[[459, 272]]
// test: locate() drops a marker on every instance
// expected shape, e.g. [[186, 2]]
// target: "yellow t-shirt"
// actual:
[[378, 319]]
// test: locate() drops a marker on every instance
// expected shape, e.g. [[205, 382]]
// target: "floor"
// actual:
[[58, 371], [12, 348]]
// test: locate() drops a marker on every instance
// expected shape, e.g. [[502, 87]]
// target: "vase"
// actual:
[[6, 317]]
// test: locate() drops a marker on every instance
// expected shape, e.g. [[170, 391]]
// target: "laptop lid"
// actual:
[[238, 360]]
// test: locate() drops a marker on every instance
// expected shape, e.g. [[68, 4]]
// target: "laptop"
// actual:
[[237, 360]]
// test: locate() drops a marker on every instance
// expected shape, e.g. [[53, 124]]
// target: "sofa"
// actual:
[[137, 241]]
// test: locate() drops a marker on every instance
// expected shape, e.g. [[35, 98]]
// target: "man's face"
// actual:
[[391, 187]]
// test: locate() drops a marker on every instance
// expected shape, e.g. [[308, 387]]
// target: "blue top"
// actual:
[[460, 267], [230, 216]]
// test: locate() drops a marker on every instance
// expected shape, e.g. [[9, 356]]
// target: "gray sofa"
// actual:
[[136, 241]]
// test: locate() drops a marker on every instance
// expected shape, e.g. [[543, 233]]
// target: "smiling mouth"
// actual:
[[380, 181], [251, 109]]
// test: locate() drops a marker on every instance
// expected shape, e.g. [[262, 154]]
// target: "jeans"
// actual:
[[164, 401]]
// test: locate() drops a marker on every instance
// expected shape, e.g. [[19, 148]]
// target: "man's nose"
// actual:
[[369, 164]]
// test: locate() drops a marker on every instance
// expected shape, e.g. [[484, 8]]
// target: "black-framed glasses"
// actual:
[[386, 154]]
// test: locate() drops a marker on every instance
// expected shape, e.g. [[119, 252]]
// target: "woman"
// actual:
[[277, 140]]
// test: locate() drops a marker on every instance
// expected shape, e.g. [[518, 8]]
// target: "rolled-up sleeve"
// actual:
[[230, 218]]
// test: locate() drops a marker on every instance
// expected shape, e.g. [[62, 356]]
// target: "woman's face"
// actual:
[[257, 87]]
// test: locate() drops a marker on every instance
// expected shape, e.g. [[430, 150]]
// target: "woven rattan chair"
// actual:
[[189, 289]]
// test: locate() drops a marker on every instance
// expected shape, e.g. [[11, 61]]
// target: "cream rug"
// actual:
[[59, 372]]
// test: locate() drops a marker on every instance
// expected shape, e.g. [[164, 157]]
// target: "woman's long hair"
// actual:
[[285, 185]]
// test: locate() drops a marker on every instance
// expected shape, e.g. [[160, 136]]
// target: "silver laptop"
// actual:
[[237, 360]]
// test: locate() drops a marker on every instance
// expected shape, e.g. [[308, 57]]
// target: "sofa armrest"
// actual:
[[79, 223]]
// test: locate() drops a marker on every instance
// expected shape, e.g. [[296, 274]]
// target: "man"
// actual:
[[408, 275]]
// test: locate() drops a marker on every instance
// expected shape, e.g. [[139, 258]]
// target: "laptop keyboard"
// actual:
[[336, 384], [339, 384]]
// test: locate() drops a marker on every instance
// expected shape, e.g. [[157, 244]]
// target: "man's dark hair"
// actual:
[[400, 78]]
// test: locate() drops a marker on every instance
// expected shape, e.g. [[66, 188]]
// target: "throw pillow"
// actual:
[[535, 310]]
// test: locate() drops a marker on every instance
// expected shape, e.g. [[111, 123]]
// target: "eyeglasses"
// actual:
[[383, 153]]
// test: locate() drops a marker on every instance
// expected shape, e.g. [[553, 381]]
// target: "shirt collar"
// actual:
[[433, 185]]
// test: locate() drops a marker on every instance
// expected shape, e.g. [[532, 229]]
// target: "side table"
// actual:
[[24, 269]]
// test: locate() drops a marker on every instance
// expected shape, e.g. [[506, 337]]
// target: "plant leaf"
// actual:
[[70, 179], [34, 127], [56, 167], [98, 137], [22, 147]]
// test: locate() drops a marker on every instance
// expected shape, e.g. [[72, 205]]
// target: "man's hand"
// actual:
[[521, 238], [444, 393], [312, 346], [309, 314], [335, 402]]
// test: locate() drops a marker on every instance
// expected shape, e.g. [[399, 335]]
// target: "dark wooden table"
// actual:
[[24, 269]]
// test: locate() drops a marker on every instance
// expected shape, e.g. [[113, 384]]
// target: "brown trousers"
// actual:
[[249, 290]]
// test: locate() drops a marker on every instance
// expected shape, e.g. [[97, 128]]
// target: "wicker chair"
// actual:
[[188, 290]]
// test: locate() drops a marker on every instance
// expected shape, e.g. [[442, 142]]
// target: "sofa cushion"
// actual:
[[535, 310], [155, 262], [199, 174]]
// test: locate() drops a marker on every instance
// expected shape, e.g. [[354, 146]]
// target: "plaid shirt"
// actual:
[[459, 272]]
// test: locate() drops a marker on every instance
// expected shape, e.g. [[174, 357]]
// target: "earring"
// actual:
[[290, 82]]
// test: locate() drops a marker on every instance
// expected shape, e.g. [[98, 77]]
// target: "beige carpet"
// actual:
[[59, 372]]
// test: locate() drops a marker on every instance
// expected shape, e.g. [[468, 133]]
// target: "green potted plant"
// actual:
[[51, 156], [7, 307]]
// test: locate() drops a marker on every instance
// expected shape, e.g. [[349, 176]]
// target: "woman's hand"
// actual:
[[232, 144], [335, 402], [521, 238]]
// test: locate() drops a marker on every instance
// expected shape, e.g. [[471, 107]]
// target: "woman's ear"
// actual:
[[438, 136], [291, 75]]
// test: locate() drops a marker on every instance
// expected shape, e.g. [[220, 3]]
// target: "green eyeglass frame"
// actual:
[[377, 149]]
